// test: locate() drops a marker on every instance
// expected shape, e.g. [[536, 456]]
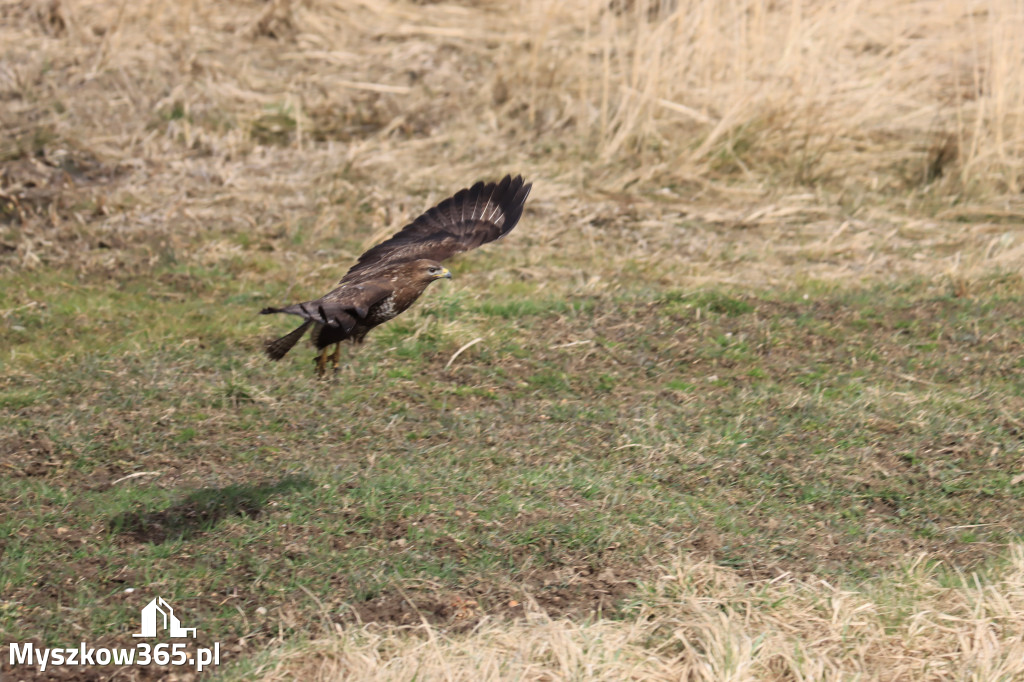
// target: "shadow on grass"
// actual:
[[202, 511]]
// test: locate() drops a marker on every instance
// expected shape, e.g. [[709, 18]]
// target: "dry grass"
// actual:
[[703, 623], [874, 139], [852, 95]]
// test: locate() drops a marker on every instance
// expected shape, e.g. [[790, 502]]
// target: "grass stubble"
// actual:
[[745, 400]]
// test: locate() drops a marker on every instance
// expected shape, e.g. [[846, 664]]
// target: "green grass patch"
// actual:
[[162, 453]]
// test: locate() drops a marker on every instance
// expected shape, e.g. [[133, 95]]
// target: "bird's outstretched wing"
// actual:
[[470, 218]]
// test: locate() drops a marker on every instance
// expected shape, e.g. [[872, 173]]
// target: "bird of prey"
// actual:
[[388, 278]]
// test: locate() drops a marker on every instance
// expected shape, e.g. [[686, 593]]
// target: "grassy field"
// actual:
[[741, 397]]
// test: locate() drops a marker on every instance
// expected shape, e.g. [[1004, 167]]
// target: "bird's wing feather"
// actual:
[[470, 218]]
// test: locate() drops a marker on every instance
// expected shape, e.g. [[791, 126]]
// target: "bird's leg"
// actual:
[[321, 363], [336, 356]]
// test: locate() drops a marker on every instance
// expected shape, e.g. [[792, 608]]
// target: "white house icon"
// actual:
[[171, 622]]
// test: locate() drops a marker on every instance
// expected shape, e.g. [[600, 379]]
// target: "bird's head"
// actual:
[[430, 270]]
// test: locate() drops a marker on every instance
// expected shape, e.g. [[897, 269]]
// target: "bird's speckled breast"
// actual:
[[383, 311]]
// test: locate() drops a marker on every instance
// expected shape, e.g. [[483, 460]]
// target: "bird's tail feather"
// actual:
[[278, 348]]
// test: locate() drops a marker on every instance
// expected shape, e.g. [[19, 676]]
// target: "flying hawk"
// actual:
[[389, 278]]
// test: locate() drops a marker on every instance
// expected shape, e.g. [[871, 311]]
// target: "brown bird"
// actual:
[[389, 278]]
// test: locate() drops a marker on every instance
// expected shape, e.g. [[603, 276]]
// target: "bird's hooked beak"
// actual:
[[444, 274]]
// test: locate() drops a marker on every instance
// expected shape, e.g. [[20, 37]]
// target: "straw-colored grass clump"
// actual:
[[703, 623]]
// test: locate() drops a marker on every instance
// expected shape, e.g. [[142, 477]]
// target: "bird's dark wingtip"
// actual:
[[514, 191], [269, 311]]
